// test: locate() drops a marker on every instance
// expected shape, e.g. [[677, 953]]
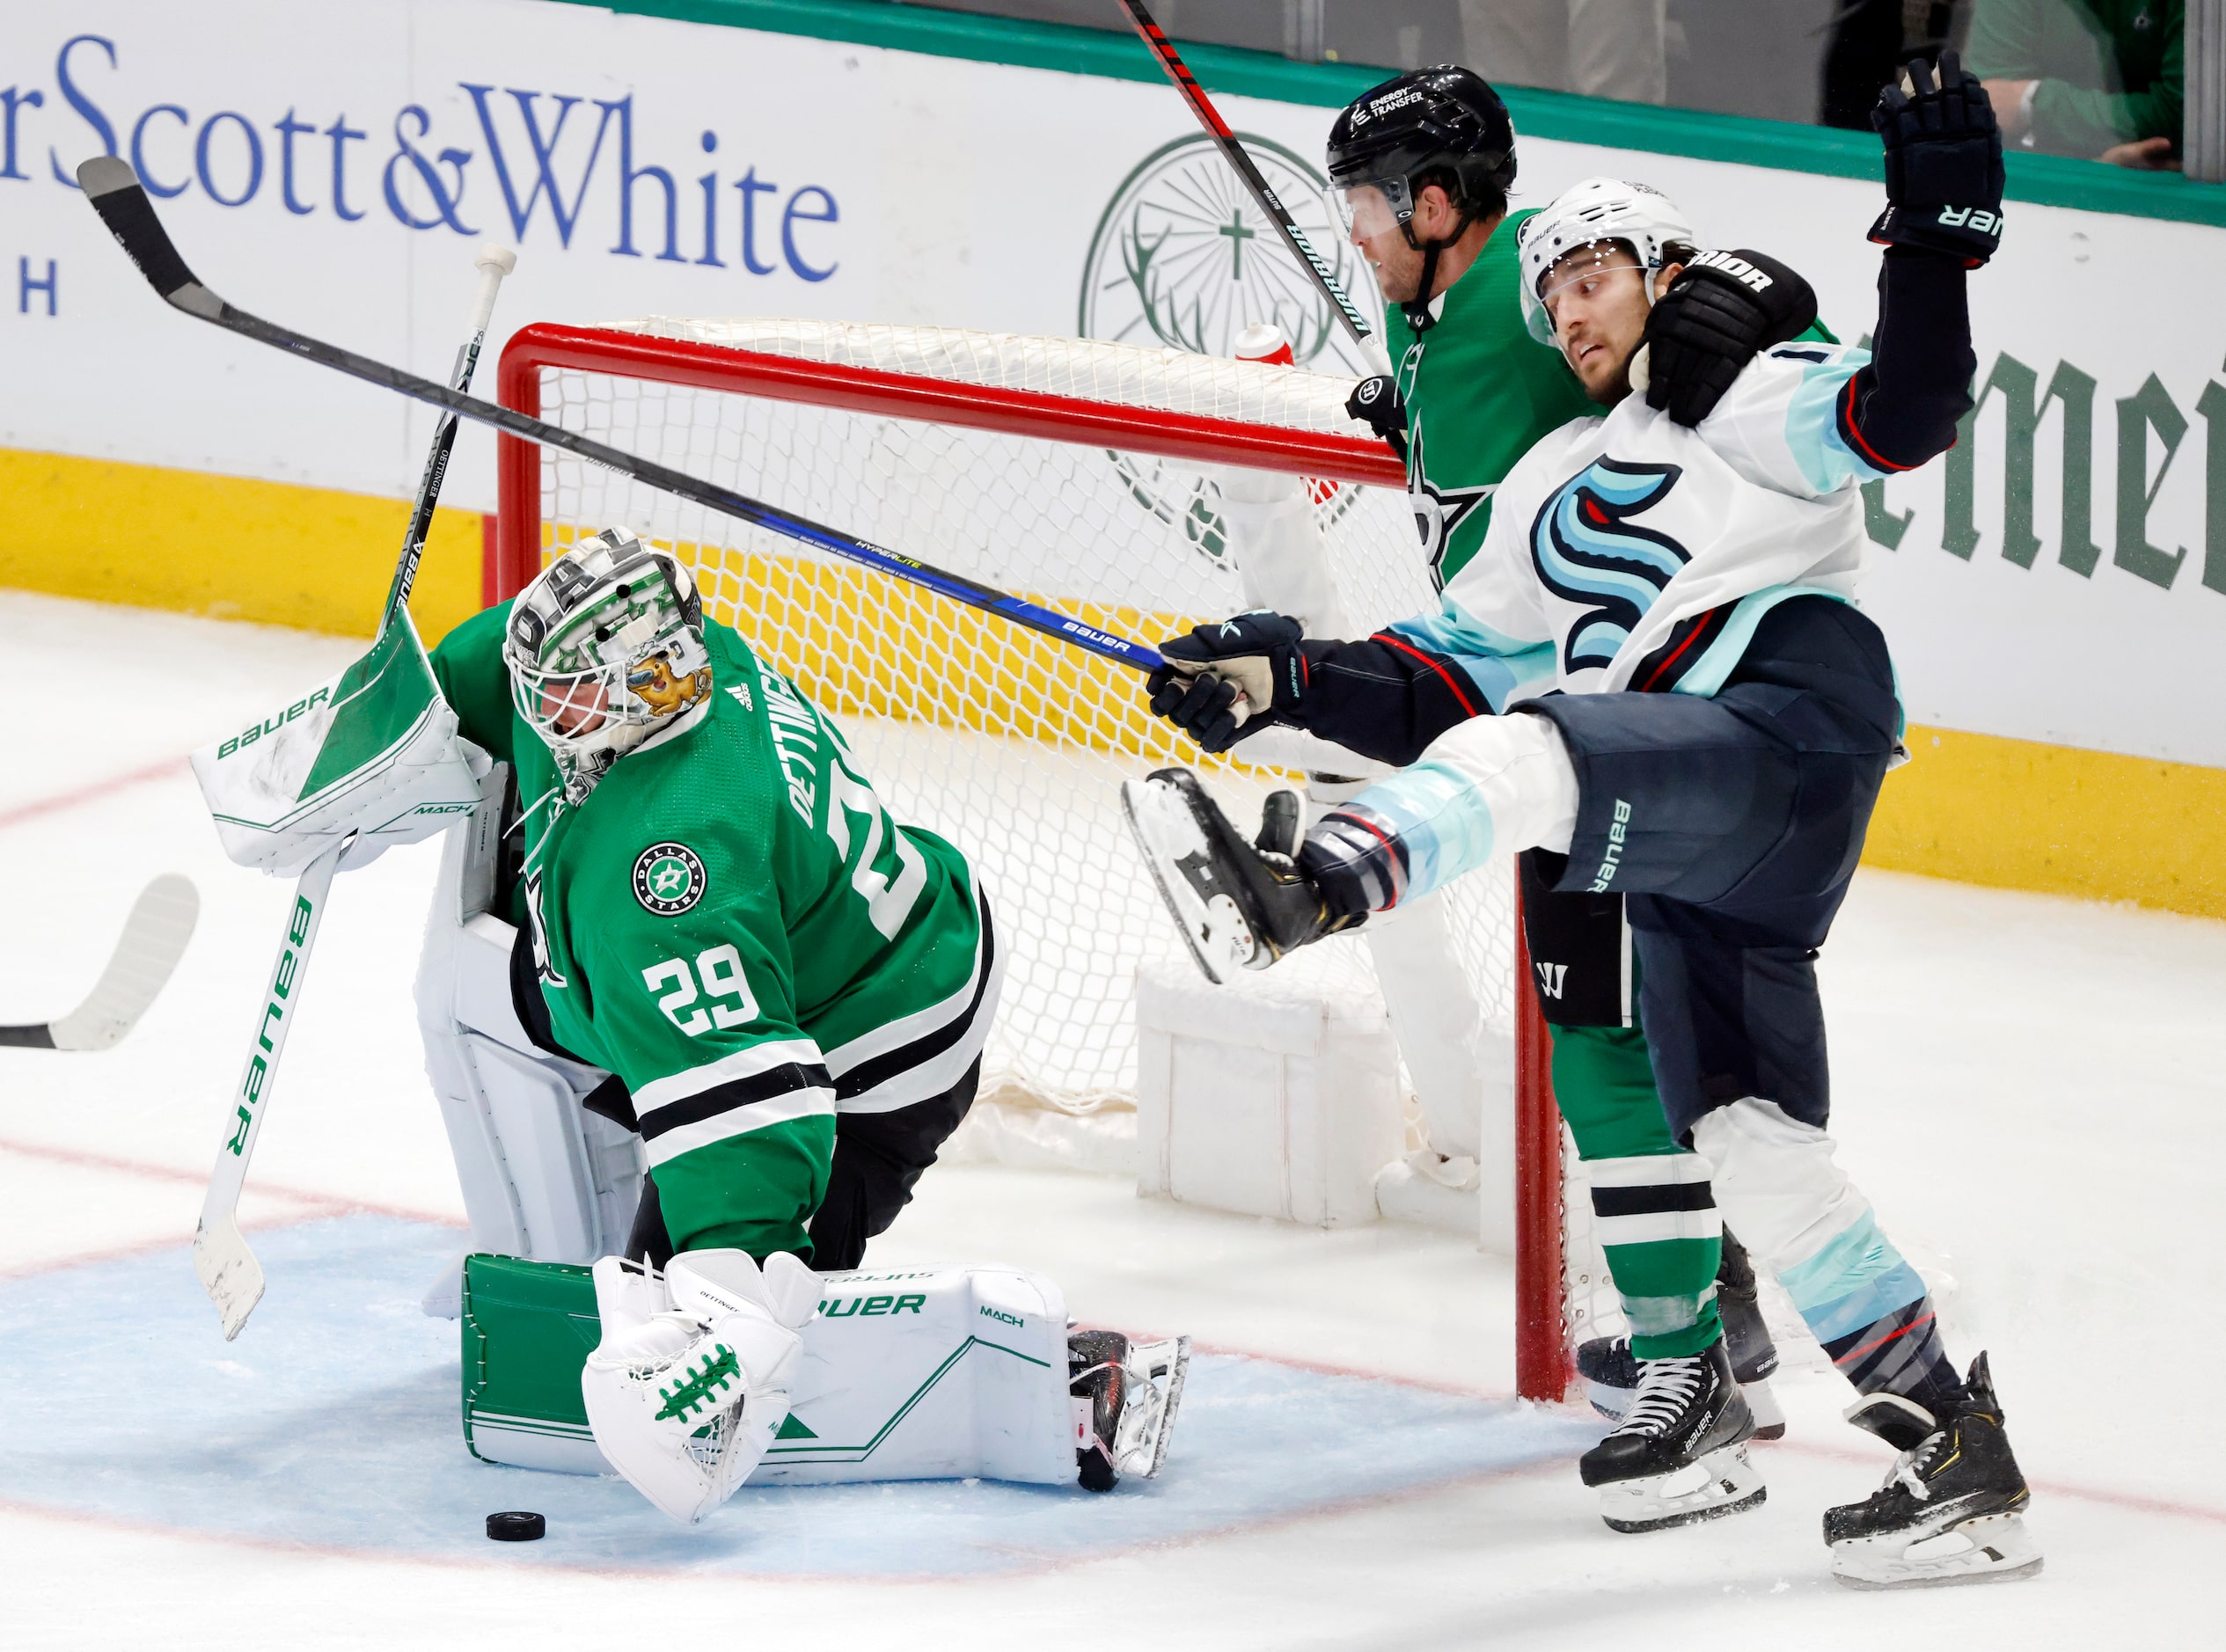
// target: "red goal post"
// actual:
[[716, 408]]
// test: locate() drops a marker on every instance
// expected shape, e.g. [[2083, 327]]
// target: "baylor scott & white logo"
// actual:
[[668, 879]]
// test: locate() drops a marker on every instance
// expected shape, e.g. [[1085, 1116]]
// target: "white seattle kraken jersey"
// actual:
[[1615, 529]]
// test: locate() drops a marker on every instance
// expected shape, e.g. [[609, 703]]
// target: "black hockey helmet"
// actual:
[[1427, 126]]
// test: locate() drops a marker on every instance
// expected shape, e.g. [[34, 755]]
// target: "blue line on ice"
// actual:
[[333, 1422]]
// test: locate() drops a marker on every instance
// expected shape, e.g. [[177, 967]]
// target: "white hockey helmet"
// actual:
[[1598, 210], [604, 647]]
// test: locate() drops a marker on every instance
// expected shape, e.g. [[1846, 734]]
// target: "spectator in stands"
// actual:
[[1604, 48], [2099, 78]]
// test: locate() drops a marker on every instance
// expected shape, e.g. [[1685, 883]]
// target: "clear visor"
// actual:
[[1373, 208], [1584, 269]]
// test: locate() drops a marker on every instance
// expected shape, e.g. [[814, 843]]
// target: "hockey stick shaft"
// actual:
[[113, 189], [227, 1269], [493, 263], [1226, 141], [154, 938]]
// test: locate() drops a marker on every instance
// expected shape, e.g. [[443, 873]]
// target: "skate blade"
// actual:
[[1163, 1367], [1992, 1549], [1761, 1404], [1722, 1483], [1166, 833]]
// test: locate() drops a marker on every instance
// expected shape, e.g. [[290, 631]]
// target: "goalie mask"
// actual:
[[1618, 223], [605, 648]]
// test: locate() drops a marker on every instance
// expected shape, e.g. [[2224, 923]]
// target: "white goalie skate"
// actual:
[[1126, 1396]]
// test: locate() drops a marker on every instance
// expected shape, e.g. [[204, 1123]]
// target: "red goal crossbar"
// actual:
[[1542, 1353]]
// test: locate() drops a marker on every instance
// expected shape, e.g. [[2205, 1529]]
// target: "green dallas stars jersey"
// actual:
[[732, 924], [1479, 391]]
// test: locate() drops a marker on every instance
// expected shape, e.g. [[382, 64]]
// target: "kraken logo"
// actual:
[[1588, 550]]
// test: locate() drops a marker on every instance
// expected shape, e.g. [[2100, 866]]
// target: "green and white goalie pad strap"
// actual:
[[374, 751], [932, 1373]]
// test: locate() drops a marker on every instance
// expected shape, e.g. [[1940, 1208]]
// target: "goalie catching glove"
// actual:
[[1223, 682], [691, 1381]]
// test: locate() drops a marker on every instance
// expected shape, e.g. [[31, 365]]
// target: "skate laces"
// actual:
[[1908, 1467], [1666, 1388]]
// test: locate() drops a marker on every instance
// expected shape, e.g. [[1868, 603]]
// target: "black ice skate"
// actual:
[[1951, 1511], [1681, 1454], [1610, 1369], [1125, 1395], [1238, 907]]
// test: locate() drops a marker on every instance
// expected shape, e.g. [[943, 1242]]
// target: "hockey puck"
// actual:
[[516, 1525]]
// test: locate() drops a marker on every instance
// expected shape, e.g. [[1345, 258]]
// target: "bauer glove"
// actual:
[[1702, 333], [1225, 681], [1376, 403], [1943, 176]]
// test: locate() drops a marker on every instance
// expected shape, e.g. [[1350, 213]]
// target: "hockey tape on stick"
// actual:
[[493, 263], [1226, 141], [154, 938], [113, 189]]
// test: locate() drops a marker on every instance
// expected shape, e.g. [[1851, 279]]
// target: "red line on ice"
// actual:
[[114, 783]]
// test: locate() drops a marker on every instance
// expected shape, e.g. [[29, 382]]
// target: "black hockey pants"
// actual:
[[1732, 824], [879, 1156]]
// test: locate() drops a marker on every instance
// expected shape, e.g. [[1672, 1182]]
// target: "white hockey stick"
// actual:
[[228, 1271], [154, 938]]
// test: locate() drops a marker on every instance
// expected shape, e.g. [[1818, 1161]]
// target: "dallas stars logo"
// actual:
[[668, 879], [1439, 511]]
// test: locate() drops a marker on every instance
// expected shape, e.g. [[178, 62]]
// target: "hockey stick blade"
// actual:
[[115, 194], [154, 938], [228, 1272]]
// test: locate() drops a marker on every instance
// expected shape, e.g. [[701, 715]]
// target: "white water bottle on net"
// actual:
[[1084, 475]]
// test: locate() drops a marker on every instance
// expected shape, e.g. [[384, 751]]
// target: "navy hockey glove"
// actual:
[[1255, 655], [1720, 311], [1944, 178], [1376, 403]]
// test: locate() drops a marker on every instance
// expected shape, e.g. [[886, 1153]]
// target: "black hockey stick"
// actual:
[[1226, 141], [154, 938], [113, 189]]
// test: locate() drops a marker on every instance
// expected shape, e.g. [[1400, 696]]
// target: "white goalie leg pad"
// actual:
[[1516, 770], [932, 1373], [540, 1177], [1722, 1483], [685, 1402]]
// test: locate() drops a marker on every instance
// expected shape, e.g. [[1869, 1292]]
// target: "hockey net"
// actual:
[[1080, 474]]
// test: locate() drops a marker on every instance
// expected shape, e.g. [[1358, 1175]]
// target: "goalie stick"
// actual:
[[154, 936], [227, 1267], [114, 191], [1226, 141]]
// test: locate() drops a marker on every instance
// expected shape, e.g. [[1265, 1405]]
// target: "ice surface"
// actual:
[[2032, 1092]]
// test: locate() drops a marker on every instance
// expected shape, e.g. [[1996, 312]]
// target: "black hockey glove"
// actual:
[[1256, 654], [1376, 403], [1720, 311], [1944, 176]]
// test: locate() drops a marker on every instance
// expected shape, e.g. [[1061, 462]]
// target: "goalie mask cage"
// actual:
[[1080, 474]]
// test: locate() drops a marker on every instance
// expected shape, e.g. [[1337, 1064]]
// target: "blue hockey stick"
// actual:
[[114, 191]]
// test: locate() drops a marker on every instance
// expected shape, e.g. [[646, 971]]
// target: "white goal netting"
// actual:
[[1005, 741]]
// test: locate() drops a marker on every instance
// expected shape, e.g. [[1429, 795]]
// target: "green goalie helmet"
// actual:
[[605, 648]]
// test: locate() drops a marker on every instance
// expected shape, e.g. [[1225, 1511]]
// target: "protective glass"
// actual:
[[1585, 267], [1375, 207]]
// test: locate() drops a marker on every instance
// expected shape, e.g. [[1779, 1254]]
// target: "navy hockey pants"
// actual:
[[1733, 825]]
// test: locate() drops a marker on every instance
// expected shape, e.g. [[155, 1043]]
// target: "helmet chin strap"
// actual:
[[1417, 311]]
